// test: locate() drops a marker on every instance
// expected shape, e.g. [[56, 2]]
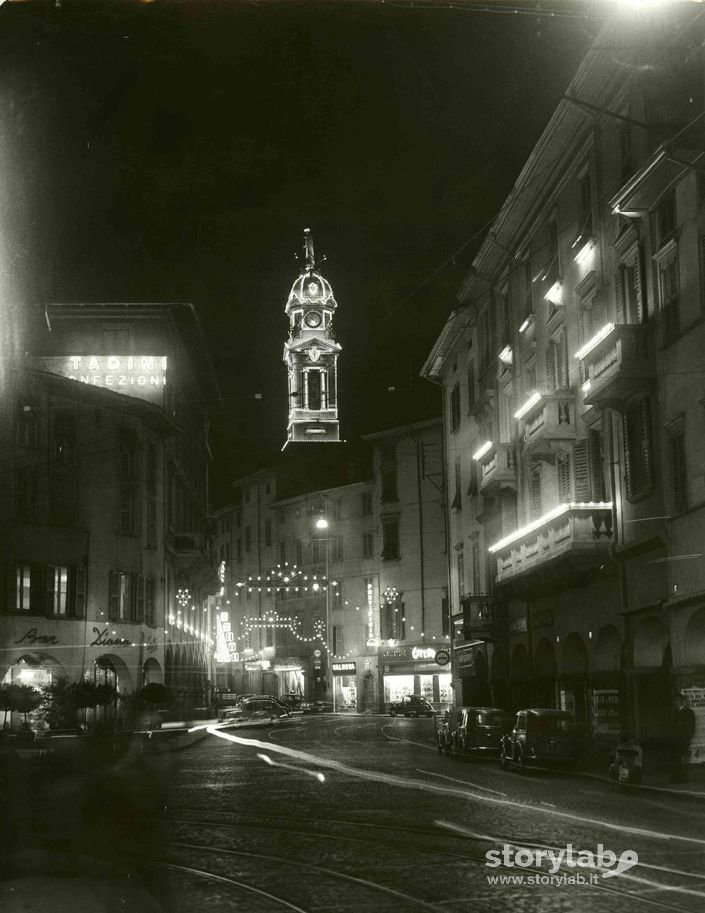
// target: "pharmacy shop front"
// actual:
[[418, 669]]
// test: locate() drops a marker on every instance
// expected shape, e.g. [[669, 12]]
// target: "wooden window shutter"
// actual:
[[79, 592], [597, 480], [627, 456], [581, 459], [113, 595], [535, 493], [639, 283], [138, 598], [551, 366], [645, 437], [619, 294], [564, 479]]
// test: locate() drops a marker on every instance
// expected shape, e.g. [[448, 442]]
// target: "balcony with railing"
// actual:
[[562, 546], [616, 364], [548, 424], [482, 618], [497, 469]]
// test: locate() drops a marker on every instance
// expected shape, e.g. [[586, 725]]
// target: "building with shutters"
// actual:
[[105, 556], [573, 390]]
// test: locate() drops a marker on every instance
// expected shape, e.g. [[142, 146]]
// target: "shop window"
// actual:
[[397, 687], [390, 538]]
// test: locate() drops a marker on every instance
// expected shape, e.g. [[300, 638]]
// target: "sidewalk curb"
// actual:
[[667, 791]]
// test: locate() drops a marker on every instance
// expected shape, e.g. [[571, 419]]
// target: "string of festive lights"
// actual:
[[283, 578]]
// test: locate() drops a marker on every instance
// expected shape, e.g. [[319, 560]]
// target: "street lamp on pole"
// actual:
[[322, 523]]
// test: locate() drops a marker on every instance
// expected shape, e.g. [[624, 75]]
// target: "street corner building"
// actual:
[[104, 552], [572, 378]]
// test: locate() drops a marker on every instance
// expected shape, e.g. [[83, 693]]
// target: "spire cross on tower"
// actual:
[[308, 249]]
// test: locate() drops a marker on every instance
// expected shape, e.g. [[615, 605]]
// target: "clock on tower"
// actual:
[[311, 356]]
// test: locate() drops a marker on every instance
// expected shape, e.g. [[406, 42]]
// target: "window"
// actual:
[[57, 587], [248, 538], [282, 553], [151, 524], [299, 552], [336, 549], [666, 220], [336, 596], [628, 285], [23, 589], [149, 607], [62, 497], [587, 468], [268, 531], [460, 563], [476, 566], [338, 640], [366, 503], [585, 228], [670, 310], [119, 596], [455, 408], [457, 502], [337, 509], [368, 545], [678, 467], [138, 602], [314, 390], [638, 469], [317, 550], [26, 492], [389, 484], [535, 493], [565, 488], [128, 485], [392, 619], [26, 425], [557, 363], [64, 438], [471, 386], [390, 537]]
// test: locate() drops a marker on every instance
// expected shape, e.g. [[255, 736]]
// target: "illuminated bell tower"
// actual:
[[311, 356]]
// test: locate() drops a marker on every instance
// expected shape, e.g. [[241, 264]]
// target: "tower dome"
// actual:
[[311, 289]]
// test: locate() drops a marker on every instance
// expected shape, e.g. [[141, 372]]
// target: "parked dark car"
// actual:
[[473, 730], [542, 736], [293, 702], [412, 705], [255, 711], [318, 707]]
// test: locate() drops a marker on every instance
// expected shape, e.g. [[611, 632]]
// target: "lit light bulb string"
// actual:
[[283, 579], [183, 598]]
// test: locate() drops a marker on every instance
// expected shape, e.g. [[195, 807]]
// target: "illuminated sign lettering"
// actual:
[[143, 376]]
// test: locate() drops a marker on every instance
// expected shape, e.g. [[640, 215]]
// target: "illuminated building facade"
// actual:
[[105, 558], [339, 591], [573, 421], [311, 356]]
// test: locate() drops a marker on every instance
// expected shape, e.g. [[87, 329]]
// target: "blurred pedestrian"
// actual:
[[683, 730]]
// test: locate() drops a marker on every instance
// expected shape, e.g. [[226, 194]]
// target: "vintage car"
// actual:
[[254, 711], [412, 705], [472, 731], [541, 736]]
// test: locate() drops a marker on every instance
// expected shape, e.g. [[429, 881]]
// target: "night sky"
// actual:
[[176, 151]]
